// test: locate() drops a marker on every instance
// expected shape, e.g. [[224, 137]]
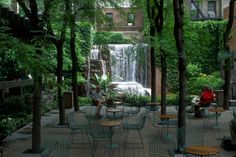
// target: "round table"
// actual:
[[202, 150], [216, 111], [153, 104], [114, 110], [167, 117], [110, 124]]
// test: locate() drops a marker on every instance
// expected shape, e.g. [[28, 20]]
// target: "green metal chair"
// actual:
[[77, 122], [134, 122], [191, 136], [55, 146], [157, 122], [160, 148], [210, 116], [117, 115], [99, 134]]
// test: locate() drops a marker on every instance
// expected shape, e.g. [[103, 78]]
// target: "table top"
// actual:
[[110, 123], [114, 109], [168, 116], [202, 150], [117, 102], [216, 109], [153, 104]]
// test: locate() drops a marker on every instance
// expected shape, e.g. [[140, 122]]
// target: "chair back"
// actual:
[[99, 132], [191, 136], [55, 146], [117, 115], [160, 147], [77, 119], [135, 122], [90, 112]]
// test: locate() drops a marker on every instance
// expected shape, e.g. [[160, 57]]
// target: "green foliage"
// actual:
[[84, 30], [83, 101], [7, 126], [171, 99], [193, 70], [203, 43], [195, 84], [103, 81], [12, 122], [103, 38], [15, 104], [135, 100]]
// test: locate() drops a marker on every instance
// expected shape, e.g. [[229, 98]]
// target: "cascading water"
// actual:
[[129, 62], [104, 68]]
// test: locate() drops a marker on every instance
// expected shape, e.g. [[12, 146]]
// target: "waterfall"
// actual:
[[94, 54], [129, 62], [104, 68]]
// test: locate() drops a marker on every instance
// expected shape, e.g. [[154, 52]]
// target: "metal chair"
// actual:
[[191, 136], [210, 116], [115, 115], [160, 148], [55, 146], [134, 122], [98, 133], [157, 122], [77, 122]]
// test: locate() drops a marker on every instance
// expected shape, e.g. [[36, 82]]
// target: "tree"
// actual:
[[58, 40], [37, 29], [152, 32], [178, 8], [228, 62]]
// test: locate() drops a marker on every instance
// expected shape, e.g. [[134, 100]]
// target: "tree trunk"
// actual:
[[163, 81], [152, 32], [36, 135], [153, 66], [74, 62], [179, 38], [228, 62], [32, 13], [61, 106]]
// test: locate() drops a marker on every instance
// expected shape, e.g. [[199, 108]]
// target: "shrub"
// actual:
[[7, 126], [85, 101], [15, 104], [195, 84], [135, 100]]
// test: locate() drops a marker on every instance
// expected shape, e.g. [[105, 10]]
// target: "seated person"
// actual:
[[97, 99], [206, 98]]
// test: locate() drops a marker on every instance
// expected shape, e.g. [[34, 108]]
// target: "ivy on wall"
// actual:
[[203, 44], [103, 38], [85, 36]]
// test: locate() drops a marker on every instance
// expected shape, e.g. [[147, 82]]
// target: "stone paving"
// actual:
[[21, 139]]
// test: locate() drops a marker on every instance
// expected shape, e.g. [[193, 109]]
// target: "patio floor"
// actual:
[[21, 139]]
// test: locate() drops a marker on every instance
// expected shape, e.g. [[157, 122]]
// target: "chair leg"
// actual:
[[86, 131], [140, 136], [126, 136], [93, 149], [72, 133]]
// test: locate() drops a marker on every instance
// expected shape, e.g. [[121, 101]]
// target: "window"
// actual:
[[130, 19], [109, 19], [211, 8], [194, 11]]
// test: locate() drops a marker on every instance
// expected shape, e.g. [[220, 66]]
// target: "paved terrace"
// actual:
[[21, 139]]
